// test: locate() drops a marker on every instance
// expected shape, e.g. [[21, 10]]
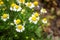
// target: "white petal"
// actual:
[[19, 9], [11, 8], [30, 19], [14, 21], [14, 9], [32, 6], [4, 19], [23, 28], [26, 4], [45, 11], [35, 22], [44, 21], [38, 17], [18, 30]]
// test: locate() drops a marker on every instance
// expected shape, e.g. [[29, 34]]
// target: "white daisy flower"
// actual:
[[20, 28], [4, 17], [44, 20], [12, 6], [17, 21], [15, 7], [34, 19], [43, 10], [35, 14], [29, 4], [21, 1]]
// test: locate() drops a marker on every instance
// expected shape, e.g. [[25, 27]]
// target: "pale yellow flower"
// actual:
[[21, 1], [17, 21], [35, 14], [43, 10], [4, 17], [15, 7], [44, 20], [34, 19], [20, 28], [29, 4], [12, 6]]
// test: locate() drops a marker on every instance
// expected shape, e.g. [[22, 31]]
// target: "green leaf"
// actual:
[[38, 31]]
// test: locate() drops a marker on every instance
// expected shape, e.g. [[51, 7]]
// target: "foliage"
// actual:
[[12, 30]]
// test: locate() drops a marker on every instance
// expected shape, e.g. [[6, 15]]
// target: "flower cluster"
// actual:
[[21, 15], [15, 7], [34, 18], [19, 27]]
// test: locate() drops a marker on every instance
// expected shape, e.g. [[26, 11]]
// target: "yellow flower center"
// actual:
[[18, 21], [44, 19], [22, 1], [29, 4], [1, 3], [5, 16], [36, 14], [13, 5], [34, 18], [16, 6], [19, 27], [36, 3]]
